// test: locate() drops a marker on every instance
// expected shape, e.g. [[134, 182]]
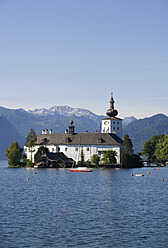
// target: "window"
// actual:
[[87, 149], [118, 128], [118, 122], [44, 141], [76, 149], [113, 128], [99, 153], [113, 122], [58, 149], [68, 140], [52, 149], [66, 149]]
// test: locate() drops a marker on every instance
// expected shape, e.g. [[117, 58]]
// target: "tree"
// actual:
[[82, 160], [129, 159], [161, 151], [31, 141], [127, 143], [40, 152], [14, 154], [109, 157], [95, 159], [82, 157], [149, 147]]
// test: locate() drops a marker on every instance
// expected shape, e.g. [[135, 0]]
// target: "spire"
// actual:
[[111, 112], [111, 102]]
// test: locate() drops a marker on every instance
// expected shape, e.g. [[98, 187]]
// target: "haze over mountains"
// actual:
[[15, 124], [8, 134]]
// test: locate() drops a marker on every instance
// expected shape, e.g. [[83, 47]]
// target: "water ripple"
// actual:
[[106, 208]]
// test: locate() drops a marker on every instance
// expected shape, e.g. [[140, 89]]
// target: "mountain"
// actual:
[[57, 118], [142, 130], [8, 134], [65, 111], [128, 120]]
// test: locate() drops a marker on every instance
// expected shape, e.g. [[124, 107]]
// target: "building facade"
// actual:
[[71, 143]]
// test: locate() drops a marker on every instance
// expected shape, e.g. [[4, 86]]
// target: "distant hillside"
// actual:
[[65, 111], [8, 134], [142, 130], [128, 120], [57, 118]]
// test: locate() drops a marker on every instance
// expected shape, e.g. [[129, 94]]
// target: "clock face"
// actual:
[[106, 123]]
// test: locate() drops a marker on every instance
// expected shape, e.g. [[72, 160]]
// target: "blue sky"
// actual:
[[76, 52]]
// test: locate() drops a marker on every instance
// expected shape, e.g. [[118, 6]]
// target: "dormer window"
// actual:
[[68, 140], [100, 140], [44, 141]]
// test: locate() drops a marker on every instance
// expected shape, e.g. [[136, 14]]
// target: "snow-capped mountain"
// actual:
[[65, 111]]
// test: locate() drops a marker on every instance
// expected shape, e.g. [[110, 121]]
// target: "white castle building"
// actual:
[[71, 143]]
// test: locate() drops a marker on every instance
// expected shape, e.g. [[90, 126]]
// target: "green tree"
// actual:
[[127, 143], [161, 151], [129, 159], [40, 152], [95, 159], [14, 154], [31, 141], [149, 147], [109, 157], [82, 157]]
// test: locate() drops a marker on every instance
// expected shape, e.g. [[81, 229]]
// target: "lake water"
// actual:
[[105, 208]]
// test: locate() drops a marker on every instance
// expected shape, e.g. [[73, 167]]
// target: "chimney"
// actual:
[[46, 131], [86, 131], [43, 131], [66, 130], [50, 132]]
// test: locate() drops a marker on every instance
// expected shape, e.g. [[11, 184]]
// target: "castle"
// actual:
[[70, 143]]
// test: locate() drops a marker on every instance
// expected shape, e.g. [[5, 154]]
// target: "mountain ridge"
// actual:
[[8, 134], [57, 118], [143, 129]]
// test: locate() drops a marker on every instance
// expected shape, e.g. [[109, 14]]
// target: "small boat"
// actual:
[[139, 175], [38, 165], [80, 169]]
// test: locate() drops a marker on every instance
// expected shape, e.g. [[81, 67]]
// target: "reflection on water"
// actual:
[[106, 208]]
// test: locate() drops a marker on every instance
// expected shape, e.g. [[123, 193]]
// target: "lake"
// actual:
[[105, 208]]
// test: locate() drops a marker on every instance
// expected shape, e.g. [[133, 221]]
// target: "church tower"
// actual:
[[112, 124]]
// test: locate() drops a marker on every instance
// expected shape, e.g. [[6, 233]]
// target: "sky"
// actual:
[[76, 52]]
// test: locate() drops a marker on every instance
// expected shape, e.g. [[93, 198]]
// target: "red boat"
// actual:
[[80, 169]]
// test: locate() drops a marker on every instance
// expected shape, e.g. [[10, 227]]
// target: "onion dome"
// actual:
[[71, 122], [111, 112]]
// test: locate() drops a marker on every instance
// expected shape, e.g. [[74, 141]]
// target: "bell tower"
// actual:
[[112, 124]]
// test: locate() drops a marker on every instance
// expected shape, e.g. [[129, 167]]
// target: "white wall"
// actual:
[[74, 152], [112, 126]]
